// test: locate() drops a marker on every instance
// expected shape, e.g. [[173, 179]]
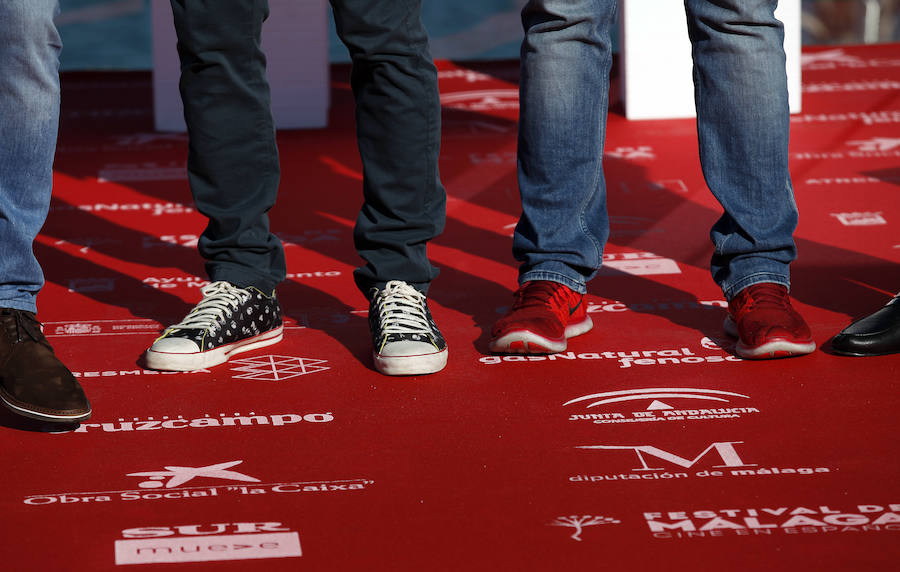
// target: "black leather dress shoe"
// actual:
[[33, 382], [877, 334]]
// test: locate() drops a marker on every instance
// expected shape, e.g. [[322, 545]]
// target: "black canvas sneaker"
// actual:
[[33, 382], [229, 320], [405, 337]]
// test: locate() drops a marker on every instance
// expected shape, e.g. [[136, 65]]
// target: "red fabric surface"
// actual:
[[494, 463]]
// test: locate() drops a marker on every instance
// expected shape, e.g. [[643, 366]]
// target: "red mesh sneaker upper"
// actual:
[[544, 308], [763, 314]]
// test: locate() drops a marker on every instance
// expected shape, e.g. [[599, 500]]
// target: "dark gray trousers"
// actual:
[[233, 161]]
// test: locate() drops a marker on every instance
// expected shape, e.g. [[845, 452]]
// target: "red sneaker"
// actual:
[[766, 325], [543, 316]]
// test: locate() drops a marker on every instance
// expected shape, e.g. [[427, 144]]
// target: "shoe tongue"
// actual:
[[397, 288], [188, 332], [773, 295], [537, 293]]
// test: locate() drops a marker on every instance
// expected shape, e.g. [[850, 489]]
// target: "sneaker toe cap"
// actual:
[[175, 346], [405, 348]]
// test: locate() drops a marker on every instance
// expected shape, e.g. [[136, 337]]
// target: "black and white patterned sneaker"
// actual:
[[405, 337], [229, 320]]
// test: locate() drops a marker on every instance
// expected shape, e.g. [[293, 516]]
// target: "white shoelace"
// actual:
[[218, 298], [401, 310]]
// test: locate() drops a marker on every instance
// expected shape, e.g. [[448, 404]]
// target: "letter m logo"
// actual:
[[724, 449]]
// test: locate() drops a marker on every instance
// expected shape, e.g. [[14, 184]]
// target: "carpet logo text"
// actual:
[[147, 171], [205, 543], [625, 359], [155, 209], [168, 484], [838, 58], [101, 328], [776, 520], [874, 148], [180, 423], [483, 100], [654, 306], [656, 409], [731, 464], [860, 218], [638, 264]]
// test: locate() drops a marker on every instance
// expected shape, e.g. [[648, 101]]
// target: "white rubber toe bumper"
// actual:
[[180, 354], [409, 357]]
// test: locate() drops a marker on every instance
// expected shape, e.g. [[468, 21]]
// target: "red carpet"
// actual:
[[646, 446]]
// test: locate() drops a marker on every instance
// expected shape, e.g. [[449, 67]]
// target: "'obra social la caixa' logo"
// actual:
[[208, 481], [608, 407], [204, 543], [180, 475], [654, 463]]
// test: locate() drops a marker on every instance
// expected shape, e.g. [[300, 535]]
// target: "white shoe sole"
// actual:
[[527, 342], [168, 361], [411, 365], [771, 350]]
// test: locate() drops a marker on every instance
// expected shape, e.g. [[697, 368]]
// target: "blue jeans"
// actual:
[[29, 121], [742, 121]]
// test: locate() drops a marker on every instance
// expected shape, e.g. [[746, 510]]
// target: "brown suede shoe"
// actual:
[[33, 382]]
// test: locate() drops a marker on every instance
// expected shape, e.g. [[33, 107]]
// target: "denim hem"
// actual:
[[576, 285], [19, 305], [758, 278]]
